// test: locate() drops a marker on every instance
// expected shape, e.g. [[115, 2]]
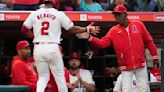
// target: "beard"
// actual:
[[26, 57], [123, 21], [74, 67]]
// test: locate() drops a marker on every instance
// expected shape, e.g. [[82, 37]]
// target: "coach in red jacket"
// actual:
[[129, 39], [22, 71]]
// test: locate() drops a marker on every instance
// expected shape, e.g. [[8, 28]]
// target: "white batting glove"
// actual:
[[93, 29]]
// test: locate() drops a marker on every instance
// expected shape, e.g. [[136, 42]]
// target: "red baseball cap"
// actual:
[[22, 44], [74, 55], [120, 9]]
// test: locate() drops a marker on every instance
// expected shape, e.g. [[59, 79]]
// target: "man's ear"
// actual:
[[19, 52], [126, 14]]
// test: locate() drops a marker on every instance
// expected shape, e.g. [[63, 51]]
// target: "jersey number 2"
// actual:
[[45, 27]]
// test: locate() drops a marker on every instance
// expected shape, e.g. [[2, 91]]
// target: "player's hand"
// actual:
[[93, 29], [84, 35], [75, 85], [69, 85], [155, 61], [79, 78]]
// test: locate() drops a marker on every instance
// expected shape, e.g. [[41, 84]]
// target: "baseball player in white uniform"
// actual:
[[46, 24]]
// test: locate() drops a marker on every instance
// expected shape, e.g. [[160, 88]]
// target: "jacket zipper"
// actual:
[[131, 47]]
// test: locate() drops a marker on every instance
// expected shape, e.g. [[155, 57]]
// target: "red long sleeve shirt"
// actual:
[[129, 44], [23, 73]]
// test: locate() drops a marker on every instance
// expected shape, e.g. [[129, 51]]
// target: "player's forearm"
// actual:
[[77, 29], [89, 87], [28, 33], [100, 43], [152, 48], [153, 51]]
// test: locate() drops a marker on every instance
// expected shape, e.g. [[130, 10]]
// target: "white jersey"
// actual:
[[47, 24], [86, 76]]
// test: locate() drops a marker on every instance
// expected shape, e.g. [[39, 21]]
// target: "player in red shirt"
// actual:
[[129, 39], [22, 71]]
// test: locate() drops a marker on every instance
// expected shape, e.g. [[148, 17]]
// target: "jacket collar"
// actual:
[[124, 27], [19, 58]]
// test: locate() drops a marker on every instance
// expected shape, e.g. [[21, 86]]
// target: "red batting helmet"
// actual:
[[55, 2]]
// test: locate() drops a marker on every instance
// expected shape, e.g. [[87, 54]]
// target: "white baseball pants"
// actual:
[[48, 57], [141, 79]]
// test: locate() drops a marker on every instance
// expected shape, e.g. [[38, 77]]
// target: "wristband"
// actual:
[[90, 29]]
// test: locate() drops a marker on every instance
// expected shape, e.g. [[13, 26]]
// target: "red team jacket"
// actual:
[[23, 73], [129, 48]]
